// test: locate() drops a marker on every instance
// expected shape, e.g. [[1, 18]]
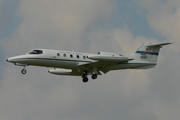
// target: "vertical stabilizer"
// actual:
[[148, 52]]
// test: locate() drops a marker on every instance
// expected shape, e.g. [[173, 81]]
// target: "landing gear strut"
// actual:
[[95, 72]]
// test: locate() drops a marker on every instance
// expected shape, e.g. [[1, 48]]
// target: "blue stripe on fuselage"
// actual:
[[150, 53]]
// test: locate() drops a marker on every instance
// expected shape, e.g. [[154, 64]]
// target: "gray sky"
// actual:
[[90, 26]]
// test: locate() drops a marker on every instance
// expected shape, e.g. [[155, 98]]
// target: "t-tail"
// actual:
[[148, 52]]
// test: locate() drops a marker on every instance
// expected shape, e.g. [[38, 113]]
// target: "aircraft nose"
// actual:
[[18, 59], [12, 59]]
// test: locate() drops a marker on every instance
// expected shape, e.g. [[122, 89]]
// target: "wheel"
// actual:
[[94, 76], [85, 79], [23, 71]]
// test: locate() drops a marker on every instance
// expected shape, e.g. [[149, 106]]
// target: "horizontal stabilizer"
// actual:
[[158, 45]]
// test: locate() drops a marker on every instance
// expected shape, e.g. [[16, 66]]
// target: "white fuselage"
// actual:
[[71, 60]]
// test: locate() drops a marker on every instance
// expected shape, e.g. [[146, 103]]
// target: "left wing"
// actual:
[[102, 61]]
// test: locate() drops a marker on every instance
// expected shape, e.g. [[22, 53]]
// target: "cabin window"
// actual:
[[36, 52], [77, 56], [71, 56], [64, 55], [84, 57], [58, 54]]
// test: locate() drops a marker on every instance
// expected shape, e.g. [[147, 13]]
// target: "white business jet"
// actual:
[[84, 64]]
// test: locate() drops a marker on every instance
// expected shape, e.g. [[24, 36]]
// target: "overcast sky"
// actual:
[[90, 26]]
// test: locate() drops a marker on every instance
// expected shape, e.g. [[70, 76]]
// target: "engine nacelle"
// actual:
[[107, 56], [65, 72], [108, 53], [60, 71]]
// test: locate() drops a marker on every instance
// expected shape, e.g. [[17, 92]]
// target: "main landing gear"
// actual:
[[94, 76], [85, 78]]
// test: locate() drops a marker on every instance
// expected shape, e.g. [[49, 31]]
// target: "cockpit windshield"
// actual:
[[36, 52]]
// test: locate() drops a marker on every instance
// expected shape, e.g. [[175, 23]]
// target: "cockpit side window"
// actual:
[[36, 52]]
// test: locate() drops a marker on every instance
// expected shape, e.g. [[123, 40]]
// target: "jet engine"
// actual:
[[64, 72], [60, 71], [108, 53], [106, 56]]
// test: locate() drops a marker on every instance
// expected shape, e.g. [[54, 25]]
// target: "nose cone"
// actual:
[[18, 59], [9, 59]]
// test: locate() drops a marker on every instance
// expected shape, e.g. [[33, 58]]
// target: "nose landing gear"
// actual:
[[24, 71]]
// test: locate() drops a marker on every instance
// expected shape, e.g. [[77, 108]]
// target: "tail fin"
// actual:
[[148, 52]]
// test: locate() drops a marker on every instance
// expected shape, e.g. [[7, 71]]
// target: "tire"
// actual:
[[94, 76], [85, 79], [23, 71]]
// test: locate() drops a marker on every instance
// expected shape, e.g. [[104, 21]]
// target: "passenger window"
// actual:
[[84, 57], [77, 56], [71, 56], [64, 55], [58, 54]]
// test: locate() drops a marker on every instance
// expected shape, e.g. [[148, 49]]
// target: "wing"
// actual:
[[102, 61]]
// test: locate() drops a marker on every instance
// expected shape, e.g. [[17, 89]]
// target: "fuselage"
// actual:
[[69, 60]]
